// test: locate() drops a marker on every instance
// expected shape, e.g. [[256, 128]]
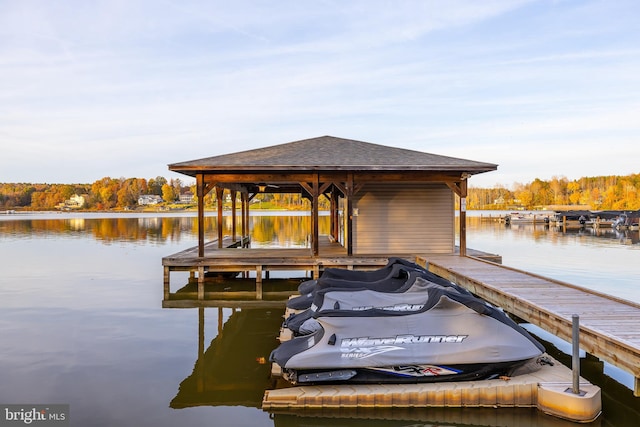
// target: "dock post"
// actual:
[[575, 361], [167, 288], [258, 282], [571, 403], [200, 283]]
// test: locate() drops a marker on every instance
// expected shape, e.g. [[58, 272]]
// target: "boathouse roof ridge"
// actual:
[[330, 153]]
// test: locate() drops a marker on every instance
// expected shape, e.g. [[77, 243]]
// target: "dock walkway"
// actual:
[[609, 326]]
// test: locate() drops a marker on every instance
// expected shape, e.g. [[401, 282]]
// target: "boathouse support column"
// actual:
[[460, 189], [246, 220], [463, 226], [234, 194], [200, 192], [335, 225], [349, 213], [219, 203], [313, 190], [463, 217], [244, 208], [315, 206]]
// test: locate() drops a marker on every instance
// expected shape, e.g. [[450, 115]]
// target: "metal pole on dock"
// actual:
[[575, 362]]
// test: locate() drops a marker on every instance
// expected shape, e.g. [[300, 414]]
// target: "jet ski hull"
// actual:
[[456, 332], [308, 286], [409, 374]]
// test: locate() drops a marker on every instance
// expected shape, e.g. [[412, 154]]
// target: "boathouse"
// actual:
[[396, 201]]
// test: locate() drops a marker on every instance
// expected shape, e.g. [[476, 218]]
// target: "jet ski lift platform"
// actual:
[[544, 389]]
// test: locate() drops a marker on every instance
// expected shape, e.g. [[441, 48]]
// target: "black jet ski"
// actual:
[[391, 278], [452, 337], [307, 286], [399, 295]]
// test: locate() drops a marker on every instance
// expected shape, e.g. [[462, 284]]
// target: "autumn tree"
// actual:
[[155, 185], [558, 187], [130, 190], [168, 193], [176, 183]]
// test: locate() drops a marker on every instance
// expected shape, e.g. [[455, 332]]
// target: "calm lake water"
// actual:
[[82, 323]]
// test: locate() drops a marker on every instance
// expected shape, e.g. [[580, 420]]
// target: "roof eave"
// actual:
[[194, 170]]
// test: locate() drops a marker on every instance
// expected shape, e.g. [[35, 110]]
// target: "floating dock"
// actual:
[[548, 389]]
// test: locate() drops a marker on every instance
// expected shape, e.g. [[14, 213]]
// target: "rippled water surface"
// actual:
[[81, 322]]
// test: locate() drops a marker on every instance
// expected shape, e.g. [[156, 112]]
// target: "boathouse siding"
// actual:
[[408, 219]]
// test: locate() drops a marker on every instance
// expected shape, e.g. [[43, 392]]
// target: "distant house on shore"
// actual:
[[77, 201], [186, 198], [149, 199]]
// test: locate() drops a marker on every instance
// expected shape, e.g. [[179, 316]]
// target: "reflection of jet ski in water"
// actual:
[[426, 333]]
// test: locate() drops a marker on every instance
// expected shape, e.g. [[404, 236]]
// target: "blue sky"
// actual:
[[122, 88]]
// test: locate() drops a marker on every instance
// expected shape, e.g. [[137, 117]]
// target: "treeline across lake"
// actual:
[[598, 193], [124, 193], [106, 193]]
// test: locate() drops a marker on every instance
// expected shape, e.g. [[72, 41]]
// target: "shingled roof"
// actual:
[[329, 153]]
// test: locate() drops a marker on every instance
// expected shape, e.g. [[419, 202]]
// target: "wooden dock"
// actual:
[[236, 256], [609, 326], [534, 390]]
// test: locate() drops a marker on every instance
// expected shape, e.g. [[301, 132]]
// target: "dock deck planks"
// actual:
[[609, 326]]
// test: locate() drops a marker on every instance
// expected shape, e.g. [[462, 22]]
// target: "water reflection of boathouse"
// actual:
[[233, 370]]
